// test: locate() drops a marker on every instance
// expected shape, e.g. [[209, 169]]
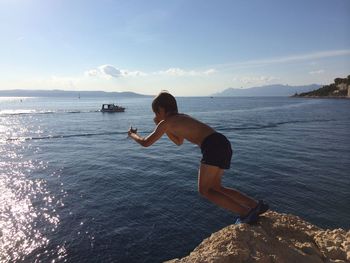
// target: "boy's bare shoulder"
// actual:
[[180, 120], [180, 117]]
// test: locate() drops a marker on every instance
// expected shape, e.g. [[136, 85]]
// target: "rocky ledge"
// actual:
[[275, 238]]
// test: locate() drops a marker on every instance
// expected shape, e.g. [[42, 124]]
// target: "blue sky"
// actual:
[[186, 47]]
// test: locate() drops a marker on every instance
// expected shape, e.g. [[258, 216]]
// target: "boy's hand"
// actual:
[[131, 130]]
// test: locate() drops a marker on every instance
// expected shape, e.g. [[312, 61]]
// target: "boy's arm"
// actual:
[[177, 140], [151, 138]]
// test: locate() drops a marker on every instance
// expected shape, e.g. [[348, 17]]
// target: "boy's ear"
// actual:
[[157, 110]]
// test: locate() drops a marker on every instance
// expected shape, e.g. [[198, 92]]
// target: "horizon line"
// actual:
[[142, 94]]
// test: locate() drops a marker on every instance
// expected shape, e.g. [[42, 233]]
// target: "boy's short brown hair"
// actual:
[[166, 101]]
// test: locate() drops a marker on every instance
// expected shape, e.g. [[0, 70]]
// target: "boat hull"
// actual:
[[116, 110]]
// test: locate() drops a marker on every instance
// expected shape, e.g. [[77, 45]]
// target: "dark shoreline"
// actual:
[[320, 97]]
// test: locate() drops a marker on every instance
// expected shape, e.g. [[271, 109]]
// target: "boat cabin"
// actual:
[[112, 108]]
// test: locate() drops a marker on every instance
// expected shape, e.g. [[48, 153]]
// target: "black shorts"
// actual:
[[217, 151]]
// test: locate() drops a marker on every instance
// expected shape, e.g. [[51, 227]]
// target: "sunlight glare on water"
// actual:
[[21, 219]]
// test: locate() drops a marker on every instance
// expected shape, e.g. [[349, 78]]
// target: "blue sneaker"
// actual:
[[263, 207], [238, 220], [251, 218], [253, 215]]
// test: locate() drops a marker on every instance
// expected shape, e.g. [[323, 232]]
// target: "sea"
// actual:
[[75, 188]]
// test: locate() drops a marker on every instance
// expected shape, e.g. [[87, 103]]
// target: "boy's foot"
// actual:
[[253, 215], [251, 218], [237, 220], [263, 207]]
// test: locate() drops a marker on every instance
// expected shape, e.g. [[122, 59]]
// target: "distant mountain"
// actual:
[[269, 90], [339, 89], [65, 93]]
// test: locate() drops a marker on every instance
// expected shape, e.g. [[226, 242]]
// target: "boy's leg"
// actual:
[[240, 197], [233, 193], [209, 180]]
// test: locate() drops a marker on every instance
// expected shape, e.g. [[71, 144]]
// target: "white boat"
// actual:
[[112, 108]]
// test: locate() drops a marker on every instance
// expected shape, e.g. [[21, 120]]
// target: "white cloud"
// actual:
[[110, 71], [92, 72], [173, 72], [104, 71], [135, 73], [316, 72], [254, 79], [181, 72], [210, 71]]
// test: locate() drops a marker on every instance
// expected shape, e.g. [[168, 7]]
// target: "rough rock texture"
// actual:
[[276, 238]]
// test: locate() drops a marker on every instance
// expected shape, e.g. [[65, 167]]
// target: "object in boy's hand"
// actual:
[[133, 130]]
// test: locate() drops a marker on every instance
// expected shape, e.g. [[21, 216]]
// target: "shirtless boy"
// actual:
[[216, 150]]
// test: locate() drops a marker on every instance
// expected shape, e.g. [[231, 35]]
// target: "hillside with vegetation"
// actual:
[[339, 89]]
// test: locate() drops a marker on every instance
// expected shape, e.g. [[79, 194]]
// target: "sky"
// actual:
[[190, 48]]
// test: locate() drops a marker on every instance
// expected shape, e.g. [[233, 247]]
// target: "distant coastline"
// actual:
[[340, 89], [69, 94], [266, 91]]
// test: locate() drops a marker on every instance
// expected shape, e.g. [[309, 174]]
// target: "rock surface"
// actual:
[[275, 238]]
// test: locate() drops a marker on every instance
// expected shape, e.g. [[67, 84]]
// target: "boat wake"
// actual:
[[63, 136], [9, 113], [268, 125], [217, 127]]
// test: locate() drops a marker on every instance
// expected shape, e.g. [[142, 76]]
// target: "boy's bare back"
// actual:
[[185, 127]]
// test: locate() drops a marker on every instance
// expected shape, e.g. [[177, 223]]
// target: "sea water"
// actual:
[[74, 188]]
